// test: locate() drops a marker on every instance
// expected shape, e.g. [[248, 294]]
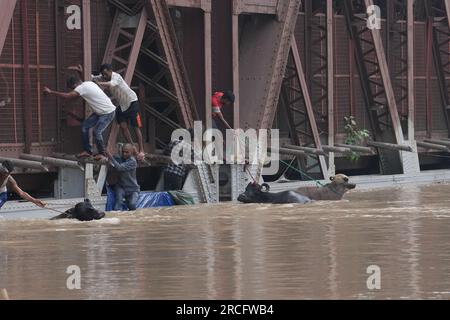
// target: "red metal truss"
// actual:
[[159, 12], [297, 103], [400, 52], [125, 42], [376, 84], [144, 47]]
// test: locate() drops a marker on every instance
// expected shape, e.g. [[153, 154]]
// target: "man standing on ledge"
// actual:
[[102, 116], [128, 110], [8, 182]]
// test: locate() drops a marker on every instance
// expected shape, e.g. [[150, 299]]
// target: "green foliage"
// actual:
[[354, 136]]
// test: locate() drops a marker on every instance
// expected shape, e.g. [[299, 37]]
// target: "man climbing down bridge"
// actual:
[[102, 116], [128, 110], [8, 182]]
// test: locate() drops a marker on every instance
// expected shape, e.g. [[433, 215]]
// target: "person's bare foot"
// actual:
[[83, 154]]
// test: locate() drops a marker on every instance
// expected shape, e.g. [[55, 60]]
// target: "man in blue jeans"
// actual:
[[126, 187], [103, 112]]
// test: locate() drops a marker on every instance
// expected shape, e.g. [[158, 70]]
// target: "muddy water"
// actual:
[[236, 251]]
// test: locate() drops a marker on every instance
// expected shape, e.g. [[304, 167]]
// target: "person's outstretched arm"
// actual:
[[65, 95], [12, 185]]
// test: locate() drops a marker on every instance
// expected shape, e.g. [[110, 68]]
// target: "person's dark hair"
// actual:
[[106, 66], [8, 165], [72, 81], [229, 95]]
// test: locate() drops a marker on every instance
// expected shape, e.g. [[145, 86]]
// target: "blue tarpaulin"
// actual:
[[146, 200]]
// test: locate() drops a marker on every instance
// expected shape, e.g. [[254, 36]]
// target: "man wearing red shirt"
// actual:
[[219, 100]]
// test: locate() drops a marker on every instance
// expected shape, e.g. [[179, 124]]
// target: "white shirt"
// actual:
[[120, 90], [3, 186], [95, 97]]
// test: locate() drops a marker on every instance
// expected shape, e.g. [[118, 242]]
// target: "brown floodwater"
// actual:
[[235, 251]]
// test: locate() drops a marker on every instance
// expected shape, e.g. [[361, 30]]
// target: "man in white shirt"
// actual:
[[128, 110], [102, 116], [8, 182]]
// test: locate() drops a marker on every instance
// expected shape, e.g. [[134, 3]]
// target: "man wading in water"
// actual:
[[8, 182]]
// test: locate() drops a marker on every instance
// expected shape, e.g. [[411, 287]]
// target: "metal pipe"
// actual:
[[25, 164], [64, 156], [427, 145], [356, 148], [389, 146], [79, 160], [52, 161], [439, 142], [307, 150], [288, 151], [336, 149]]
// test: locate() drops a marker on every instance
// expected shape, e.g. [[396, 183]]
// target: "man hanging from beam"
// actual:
[[7, 182], [128, 111]]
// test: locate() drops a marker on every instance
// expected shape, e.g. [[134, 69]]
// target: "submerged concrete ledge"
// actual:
[[376, 181], [24, 210]]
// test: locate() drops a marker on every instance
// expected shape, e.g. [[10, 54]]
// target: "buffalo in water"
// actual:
[[83, 211], [334, 190], [254, 193]]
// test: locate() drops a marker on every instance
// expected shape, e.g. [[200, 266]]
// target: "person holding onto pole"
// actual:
[[127, 187]]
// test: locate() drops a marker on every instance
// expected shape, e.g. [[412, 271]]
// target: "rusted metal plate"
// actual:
[[193, 50], [222, 50], [265, 45]]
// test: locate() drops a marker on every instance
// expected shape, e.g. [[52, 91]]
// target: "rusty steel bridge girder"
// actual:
[[308, 110], [268, 39], [376, 84], [439, 22], [260, 79]]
